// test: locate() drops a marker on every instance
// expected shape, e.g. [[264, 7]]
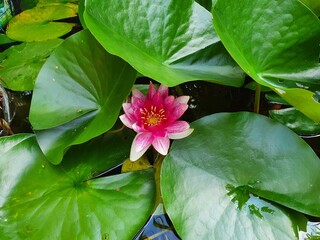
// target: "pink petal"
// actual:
[[151, 91], [136, 93], [161, 144], [126, 121], [142, 141], [129, 112], [137, 114], [135, 151], [127, 108], [181, 100], [178, 111], [157, 100], [180, 135], [163, 90], [137, 102], [160, 132], [135, 155], [178, 126], [138, 129], [168, 102]]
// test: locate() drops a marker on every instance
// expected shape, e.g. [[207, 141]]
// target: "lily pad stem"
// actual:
[[257, 98]]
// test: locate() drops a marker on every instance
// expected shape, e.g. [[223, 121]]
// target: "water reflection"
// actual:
[[158, 227], [312, 233]]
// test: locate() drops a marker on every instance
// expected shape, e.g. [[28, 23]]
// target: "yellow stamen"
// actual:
[[152, 117]]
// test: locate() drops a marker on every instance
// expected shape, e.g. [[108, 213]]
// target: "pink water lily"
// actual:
[[155, 118]]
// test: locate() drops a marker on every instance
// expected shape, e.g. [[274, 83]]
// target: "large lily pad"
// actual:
[[40, 23], [276, 43], [169, 41], [78, 94], [210, 181], [42, 201], [21, 64]]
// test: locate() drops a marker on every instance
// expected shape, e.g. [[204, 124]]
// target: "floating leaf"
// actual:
[[78, 94], [5, 40], [132, 166], [303, 100], [207, 4], [39, 23], [314, 5], [42, 201], [296, 121], [80, 13], [27, 4], [276, 43], [48, 2], [272, 97], [20, 64], [169, 41], [210, 180]]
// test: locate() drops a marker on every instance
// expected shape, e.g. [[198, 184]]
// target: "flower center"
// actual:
[[152, 117]]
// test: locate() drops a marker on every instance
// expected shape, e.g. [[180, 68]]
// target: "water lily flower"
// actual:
[[155, 119]]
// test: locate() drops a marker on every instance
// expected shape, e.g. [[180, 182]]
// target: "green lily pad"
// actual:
[[169, 41], [48, 2], [296, 121], [78, 94], [81, 12], [42, 201], [272, 97], [39, 23], [304, 100], [207, 4], [211, 181], [5, 40], [276, 44], [27, 4], [20, 64], [314, 5]]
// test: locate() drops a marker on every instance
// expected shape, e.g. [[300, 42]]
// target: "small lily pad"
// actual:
[[46, 2], [296, 121], [38, 24], [20, 64]]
